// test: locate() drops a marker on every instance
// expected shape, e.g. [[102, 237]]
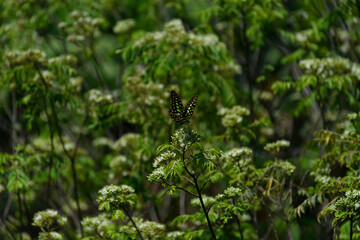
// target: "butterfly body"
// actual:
[[178, 112]]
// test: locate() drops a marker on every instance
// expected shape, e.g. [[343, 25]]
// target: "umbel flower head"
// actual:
[[238, 154], [230, 192], [232, 116], [157, 174], [184, 138], [48, 220], [117, 197], [277, 146], [50, 236], [349, 203]]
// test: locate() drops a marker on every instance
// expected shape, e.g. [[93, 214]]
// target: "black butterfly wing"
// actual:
[[177, 107], [189, 109]]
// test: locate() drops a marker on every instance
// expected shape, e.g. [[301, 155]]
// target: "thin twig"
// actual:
[[134, 224], [183, 189]]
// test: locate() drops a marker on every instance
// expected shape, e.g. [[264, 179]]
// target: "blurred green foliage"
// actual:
[[88, 150]]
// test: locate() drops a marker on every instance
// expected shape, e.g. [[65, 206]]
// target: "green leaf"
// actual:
[[104, 205], [163, 147], [174, 167], [214, 152], [118, 214], [198, 146]]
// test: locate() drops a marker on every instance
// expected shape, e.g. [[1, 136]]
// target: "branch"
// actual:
[[183, 189], [189, 180], [204, 184]]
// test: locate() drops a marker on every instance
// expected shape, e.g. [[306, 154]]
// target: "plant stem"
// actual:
[[134, 224], [204, 208], [238, 223], [195, 177]]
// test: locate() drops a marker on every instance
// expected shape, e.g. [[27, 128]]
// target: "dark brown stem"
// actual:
[[134, 224], [180, 188], [238, 224], [204, 208], [195, 177]]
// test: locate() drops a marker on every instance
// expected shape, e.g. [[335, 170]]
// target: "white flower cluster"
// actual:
[[149, 93], [50, 236], [277, 146], [124, 25], [84, 27], [326, 67], [322, 179], [118, 161], [175, 234], [355, 71], [128, 140], [288, 167], [353, 116], [97, 96], [151, 229], [154, 38], [175, 28], [350, 202], [47, 76], [16, 58], [202, 40], [102, 141], [231, 192], [66, 59], [92, 224], [353, 194], [184, 138], [73, 38], [343, 37], [83, 20], [239, 153], [115, 194], [157, 174], [45, 219], [76, 82], [166, 157], [226, 67], [233, 116], [304, 36], [174, 33]]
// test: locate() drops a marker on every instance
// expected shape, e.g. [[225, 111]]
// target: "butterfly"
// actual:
[[177, 111]]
